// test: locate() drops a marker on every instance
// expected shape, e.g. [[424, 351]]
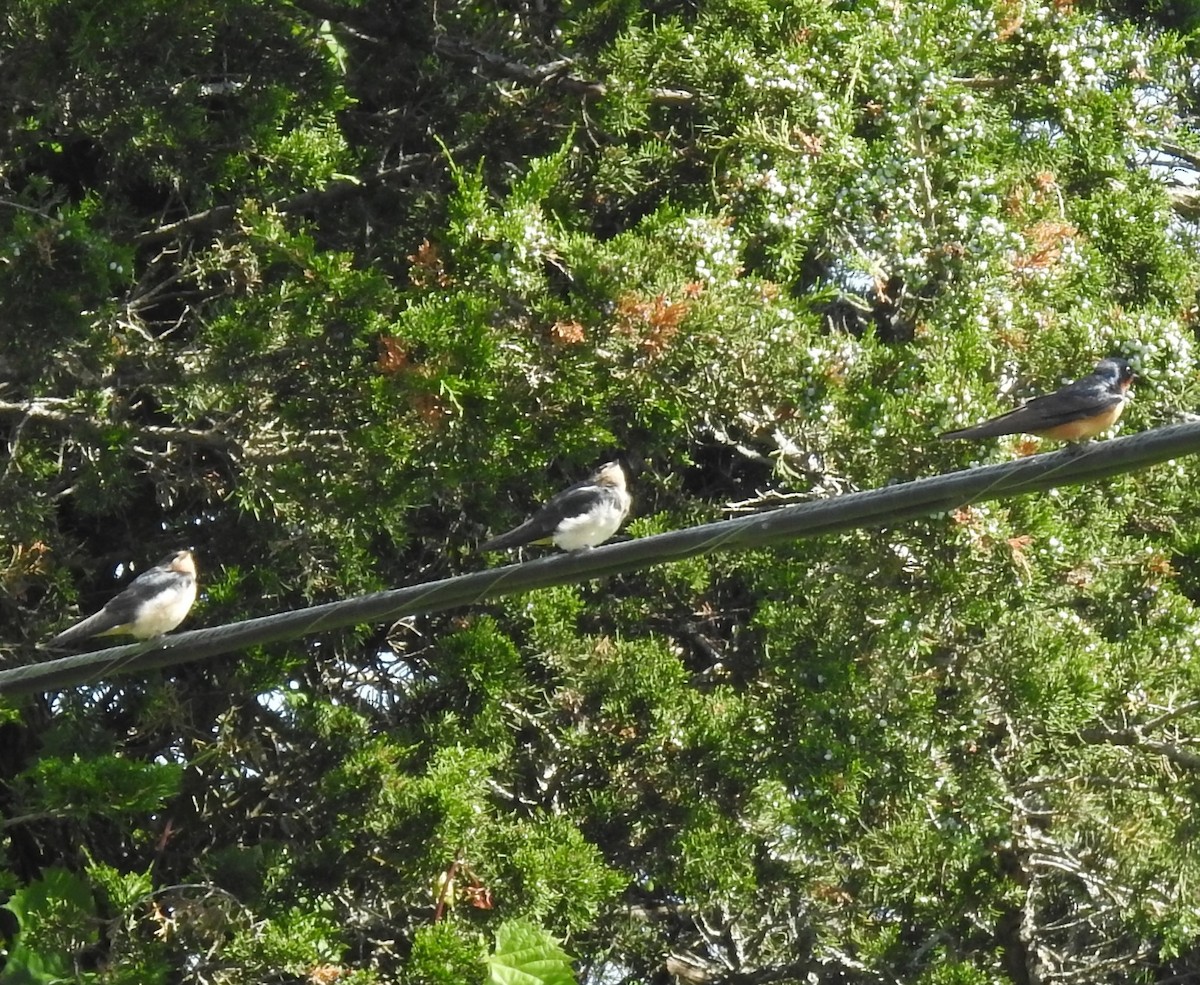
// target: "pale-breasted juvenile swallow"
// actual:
[[584, 515], [155, 602], [1075, 412]]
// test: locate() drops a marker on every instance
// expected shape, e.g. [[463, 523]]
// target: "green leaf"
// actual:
[[337, 51], [527, 955]]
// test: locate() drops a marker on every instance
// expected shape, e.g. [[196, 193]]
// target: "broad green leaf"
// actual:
[[528, 955]]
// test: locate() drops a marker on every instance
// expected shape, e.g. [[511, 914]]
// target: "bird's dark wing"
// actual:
[[1066, 405], [146, 586], [1081, 399], [572, 501]]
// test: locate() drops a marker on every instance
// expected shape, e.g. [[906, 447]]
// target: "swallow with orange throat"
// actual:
[[1075, 412], [155, 602]]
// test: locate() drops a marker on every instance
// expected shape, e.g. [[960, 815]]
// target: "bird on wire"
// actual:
[[154, 603], [1075, 412], [579, 517]]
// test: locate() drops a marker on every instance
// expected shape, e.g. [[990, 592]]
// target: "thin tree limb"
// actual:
[[46, 410], [553, 75], [1135, 737], [1189, 157]]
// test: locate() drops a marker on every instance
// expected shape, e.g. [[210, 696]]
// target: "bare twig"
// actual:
[[1000, 81], [552, 75], [1189, 157], [48, 409], [1135, 737], [1170, 715]]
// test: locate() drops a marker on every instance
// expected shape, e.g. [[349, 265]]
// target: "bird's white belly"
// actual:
[[163, 615], [589, 529]]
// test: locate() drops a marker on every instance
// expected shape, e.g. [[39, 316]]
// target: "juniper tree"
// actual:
[[332, 292]]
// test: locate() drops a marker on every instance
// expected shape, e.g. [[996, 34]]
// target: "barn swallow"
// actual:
[[155, 602], [584, 515], [1075, 412]]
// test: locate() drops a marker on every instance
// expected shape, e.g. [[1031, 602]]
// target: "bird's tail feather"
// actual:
[[984, 430], [99, 624], [527, 533]]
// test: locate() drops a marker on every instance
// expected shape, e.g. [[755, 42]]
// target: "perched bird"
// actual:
[[584, 515], [155, 602], [1075, 412]]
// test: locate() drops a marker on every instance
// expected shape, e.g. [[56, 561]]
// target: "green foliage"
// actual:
[[441, 955], [103, 785], [332, 294], [295, 941], [553, 874], [56, 921]]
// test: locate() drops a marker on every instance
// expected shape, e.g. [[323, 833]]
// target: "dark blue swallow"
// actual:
[[1075, 412]]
